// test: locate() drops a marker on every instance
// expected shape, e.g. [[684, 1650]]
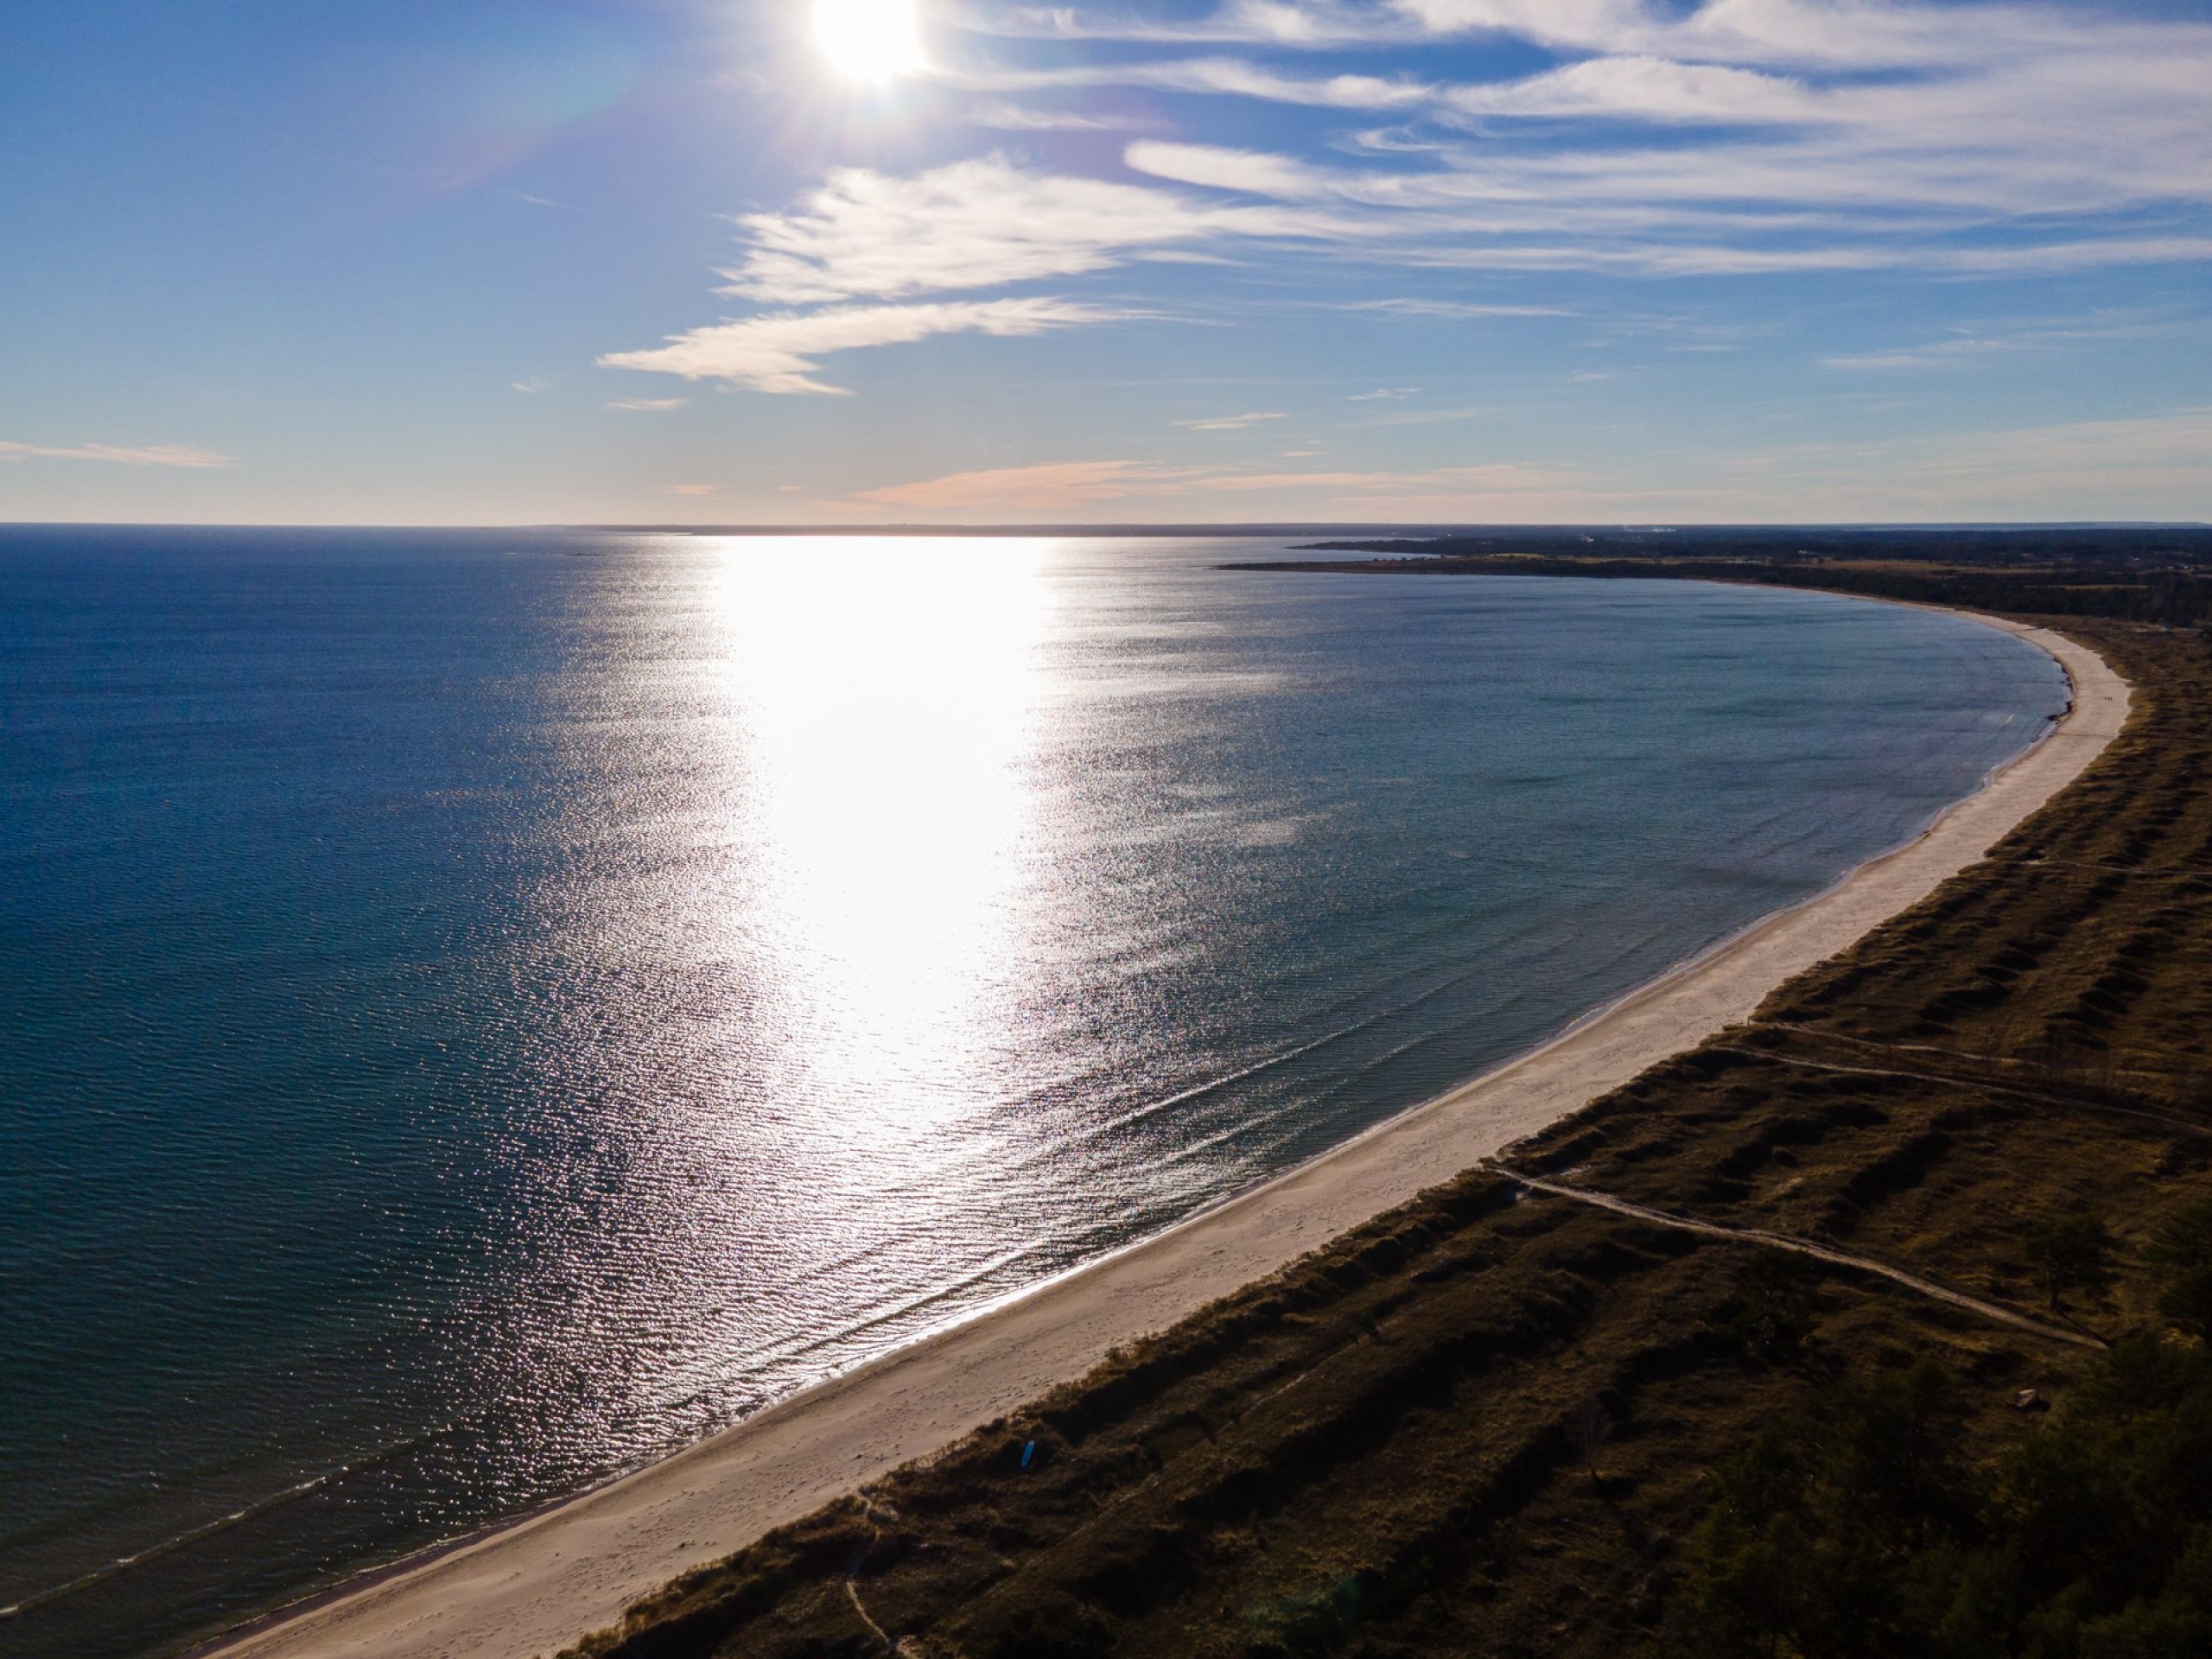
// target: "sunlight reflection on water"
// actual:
[[890, 723]]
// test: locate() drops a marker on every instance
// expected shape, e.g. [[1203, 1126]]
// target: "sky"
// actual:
[[982, 260]]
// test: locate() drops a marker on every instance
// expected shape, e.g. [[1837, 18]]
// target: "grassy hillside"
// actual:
[[1502, 1421]]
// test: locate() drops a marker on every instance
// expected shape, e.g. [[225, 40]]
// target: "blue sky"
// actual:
[[849, 261]]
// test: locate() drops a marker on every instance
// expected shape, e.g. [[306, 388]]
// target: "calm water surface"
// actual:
[[484, 1010]]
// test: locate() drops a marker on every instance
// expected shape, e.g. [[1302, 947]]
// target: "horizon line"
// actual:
[[1252, 528]]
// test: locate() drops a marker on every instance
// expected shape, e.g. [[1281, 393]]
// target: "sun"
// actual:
[[872, 40]]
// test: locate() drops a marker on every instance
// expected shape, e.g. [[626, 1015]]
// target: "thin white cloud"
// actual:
[[2145, 466], [1251, 172], [1226, 77], [1425, 417], [1919, 130], [1410, 308], [1061, 483], [1666, 211], [1968, 346], [1803, 35], [1271, 23], [1004, 117], [1936, 354], [1649, 89], [1383, 393], [1231, 423], [1657, 138], [1500, 477], [976, 224], [2178, 442], [530, 387], [150, 454], [2149, 466], [1072, 485], [1234, 78], [647, 405], [2084, 255], [1666, 259], [776, 351]]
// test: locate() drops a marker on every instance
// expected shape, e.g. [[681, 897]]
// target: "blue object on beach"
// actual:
[[1027, 1453]]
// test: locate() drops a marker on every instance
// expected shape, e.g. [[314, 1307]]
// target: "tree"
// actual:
[[2074, 1254], [2184, 1244]]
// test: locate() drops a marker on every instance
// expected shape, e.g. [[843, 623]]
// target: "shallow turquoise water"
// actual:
[[486, 1009]]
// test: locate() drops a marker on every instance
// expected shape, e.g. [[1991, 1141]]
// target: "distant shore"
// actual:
[[535, 1585]]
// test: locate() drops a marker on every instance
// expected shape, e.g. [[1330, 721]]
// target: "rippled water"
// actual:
[[483, 1010]]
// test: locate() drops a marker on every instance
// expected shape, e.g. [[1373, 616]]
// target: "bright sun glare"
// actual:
[[869, 40]]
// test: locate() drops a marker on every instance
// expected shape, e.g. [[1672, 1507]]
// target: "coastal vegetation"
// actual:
[[2162, 576], [1876, 1325]]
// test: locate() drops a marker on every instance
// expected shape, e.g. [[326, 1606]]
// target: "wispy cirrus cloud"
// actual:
[[1295, 23], [1231, 423], [2140, 466], [1056, 485], [977, 224], [1647, 139], [1229, 76], [1864, 35], [150, 454], [1041, 488], [646, 405], [1005, 117], [2071, 469], [1425, 417], [1250, 172], [1896, 122], [1412, 308], [981, 224], [776, 352], [1966, 344]]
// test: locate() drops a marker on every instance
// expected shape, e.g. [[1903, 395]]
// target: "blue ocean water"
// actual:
[[484, 1010]]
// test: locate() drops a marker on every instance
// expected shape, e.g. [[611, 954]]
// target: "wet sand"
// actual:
[[535, 1585]]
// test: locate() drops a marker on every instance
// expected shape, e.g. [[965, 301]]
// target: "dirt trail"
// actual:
[[1804, 1247]]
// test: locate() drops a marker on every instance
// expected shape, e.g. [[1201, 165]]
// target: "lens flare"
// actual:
[[870, 40]]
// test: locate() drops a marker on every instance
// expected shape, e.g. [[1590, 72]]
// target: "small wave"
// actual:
[[221, 1524]]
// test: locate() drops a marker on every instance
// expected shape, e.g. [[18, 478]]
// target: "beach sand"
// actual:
[[541, 1584]]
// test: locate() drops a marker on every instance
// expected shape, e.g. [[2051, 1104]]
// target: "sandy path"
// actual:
[[535, 1586], [1813, 1248]]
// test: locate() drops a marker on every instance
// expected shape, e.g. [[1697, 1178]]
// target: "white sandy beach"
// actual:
[[534, 1587]]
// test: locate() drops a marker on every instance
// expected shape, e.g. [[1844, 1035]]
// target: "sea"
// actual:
[[480, 1010]]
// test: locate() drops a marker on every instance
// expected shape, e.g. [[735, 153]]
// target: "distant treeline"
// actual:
[[2165, 580], [2169, 598], [2106, 547]]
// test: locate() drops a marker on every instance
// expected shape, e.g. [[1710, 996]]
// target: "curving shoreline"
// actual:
[[538, 1584]]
